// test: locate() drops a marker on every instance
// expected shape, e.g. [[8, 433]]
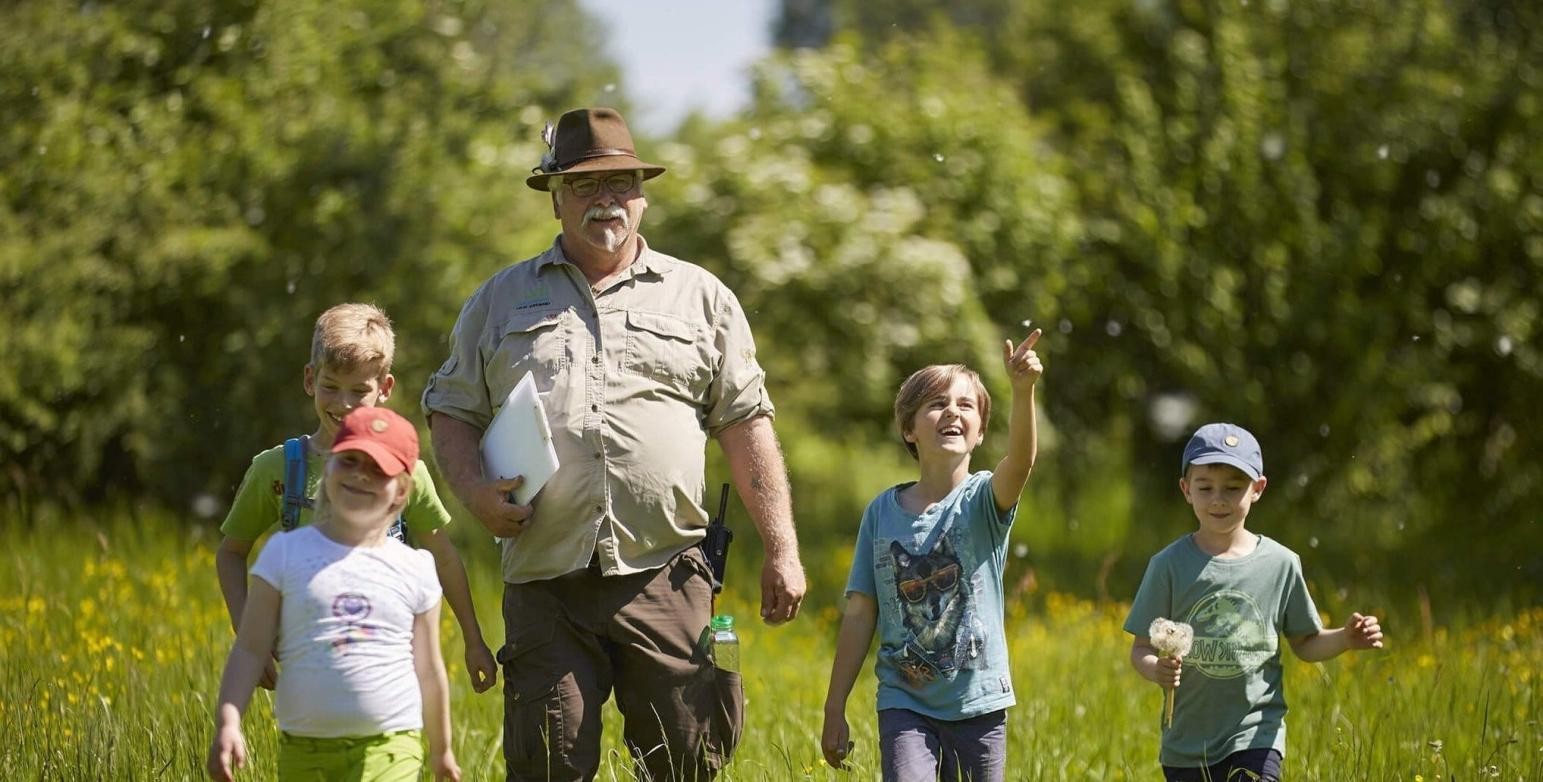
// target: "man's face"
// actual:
[[606, 218]]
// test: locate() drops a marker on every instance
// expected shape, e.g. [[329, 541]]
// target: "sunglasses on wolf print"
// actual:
[[942, 579], [586, 186]]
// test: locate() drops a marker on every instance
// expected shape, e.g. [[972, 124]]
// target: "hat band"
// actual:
[[590, 155]]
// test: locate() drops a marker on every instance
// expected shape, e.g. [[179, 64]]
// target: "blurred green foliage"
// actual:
[[1322, 220], [185, 185]]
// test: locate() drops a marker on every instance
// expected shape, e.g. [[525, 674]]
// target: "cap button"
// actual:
[[1231, 441], [379, 425]]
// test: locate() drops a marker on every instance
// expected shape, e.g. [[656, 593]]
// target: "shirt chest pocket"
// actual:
[[529, 343], [667, 349]]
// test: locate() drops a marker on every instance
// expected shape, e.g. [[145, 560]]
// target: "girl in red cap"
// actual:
[[353, 617]]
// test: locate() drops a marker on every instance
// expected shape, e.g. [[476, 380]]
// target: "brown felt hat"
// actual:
[[589, 140]]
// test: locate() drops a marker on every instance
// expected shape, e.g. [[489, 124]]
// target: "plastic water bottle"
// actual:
[[725, 644]]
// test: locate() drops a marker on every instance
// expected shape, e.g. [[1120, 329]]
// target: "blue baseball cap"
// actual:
[[1228, 444]]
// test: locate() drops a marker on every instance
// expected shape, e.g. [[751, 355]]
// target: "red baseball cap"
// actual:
[[388, 438]]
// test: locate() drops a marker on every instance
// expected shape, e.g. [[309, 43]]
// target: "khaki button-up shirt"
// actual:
[[634, 379]]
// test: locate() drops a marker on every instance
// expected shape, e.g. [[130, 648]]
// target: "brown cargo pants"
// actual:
[[572, 640]]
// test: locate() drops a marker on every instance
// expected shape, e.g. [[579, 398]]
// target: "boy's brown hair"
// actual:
[[928, 382], [353, 335]]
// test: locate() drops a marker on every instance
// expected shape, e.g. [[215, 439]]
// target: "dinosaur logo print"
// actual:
[[1231, 635]]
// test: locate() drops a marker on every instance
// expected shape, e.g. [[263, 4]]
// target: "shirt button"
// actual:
[[595, 359], [594, 408], [599, 508]]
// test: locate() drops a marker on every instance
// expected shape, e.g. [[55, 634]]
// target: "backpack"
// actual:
[[294, 489]]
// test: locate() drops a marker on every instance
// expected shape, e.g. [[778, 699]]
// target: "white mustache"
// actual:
[[611, 212]]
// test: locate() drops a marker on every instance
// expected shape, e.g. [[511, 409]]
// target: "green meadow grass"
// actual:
[[112, 638]]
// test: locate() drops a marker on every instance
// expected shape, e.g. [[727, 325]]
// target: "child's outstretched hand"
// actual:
[[226, 753], [1363, 632], [1022, 363]]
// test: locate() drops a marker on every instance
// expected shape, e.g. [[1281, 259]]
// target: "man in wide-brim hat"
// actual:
[[639, 358]]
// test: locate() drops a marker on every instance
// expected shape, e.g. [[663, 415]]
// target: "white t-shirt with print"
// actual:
[[345, 633]]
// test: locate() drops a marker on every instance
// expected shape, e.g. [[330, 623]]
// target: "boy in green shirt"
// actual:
[[1240, 592], [351, 352]]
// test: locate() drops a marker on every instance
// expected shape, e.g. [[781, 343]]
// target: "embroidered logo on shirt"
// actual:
[[537, 296], [1231, 636]]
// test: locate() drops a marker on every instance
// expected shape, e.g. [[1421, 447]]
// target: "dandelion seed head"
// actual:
[[1170, 638]]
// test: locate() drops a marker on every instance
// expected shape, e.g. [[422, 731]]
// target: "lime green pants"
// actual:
[[388, 757]]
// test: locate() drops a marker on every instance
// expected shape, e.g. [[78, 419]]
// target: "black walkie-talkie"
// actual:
[[716, 545]]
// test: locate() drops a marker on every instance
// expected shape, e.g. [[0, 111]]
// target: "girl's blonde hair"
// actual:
[[323, 509], [928, 382]]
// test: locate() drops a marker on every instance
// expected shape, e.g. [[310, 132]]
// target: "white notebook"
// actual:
[[519, 442]]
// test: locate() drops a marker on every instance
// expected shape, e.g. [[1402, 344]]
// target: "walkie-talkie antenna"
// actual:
[[715, 545]]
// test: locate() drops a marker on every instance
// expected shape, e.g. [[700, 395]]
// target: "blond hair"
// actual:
[[929, 382], [353, 335]]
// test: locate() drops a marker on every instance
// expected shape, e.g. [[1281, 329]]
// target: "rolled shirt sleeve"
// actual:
[[457, 388], [738, 391]]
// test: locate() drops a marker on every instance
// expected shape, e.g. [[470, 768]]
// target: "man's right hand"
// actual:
[[493, 504]]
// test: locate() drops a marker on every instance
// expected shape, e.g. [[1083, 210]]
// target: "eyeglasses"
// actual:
[[942, 579], [584, 187]]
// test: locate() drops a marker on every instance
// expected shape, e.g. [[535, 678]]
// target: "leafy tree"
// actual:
[[185, 185], [1318, 219], [867, 230]]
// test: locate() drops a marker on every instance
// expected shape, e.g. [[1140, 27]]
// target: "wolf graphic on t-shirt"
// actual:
[[938, 611]]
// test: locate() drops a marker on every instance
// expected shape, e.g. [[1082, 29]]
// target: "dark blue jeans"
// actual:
[[1249, 765], [917, 748]]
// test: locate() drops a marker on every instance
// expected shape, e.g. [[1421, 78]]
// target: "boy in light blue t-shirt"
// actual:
[[1239, 592], [927, 574]]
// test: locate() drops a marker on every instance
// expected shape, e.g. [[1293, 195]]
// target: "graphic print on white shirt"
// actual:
[[351, 608]]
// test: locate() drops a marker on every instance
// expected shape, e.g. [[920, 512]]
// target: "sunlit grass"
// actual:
[[111, 645]]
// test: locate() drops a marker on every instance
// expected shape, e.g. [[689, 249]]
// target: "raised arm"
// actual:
[[456, 451], [755, 461], [1023, 371]]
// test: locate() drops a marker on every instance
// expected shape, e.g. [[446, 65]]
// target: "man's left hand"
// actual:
[[782, 589]]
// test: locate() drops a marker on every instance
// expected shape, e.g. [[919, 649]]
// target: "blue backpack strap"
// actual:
[[294, 480]]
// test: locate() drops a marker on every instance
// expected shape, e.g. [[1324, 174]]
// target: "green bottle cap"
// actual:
[[723, 622]]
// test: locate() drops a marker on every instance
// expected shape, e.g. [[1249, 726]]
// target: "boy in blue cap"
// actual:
[[1240, 592]]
